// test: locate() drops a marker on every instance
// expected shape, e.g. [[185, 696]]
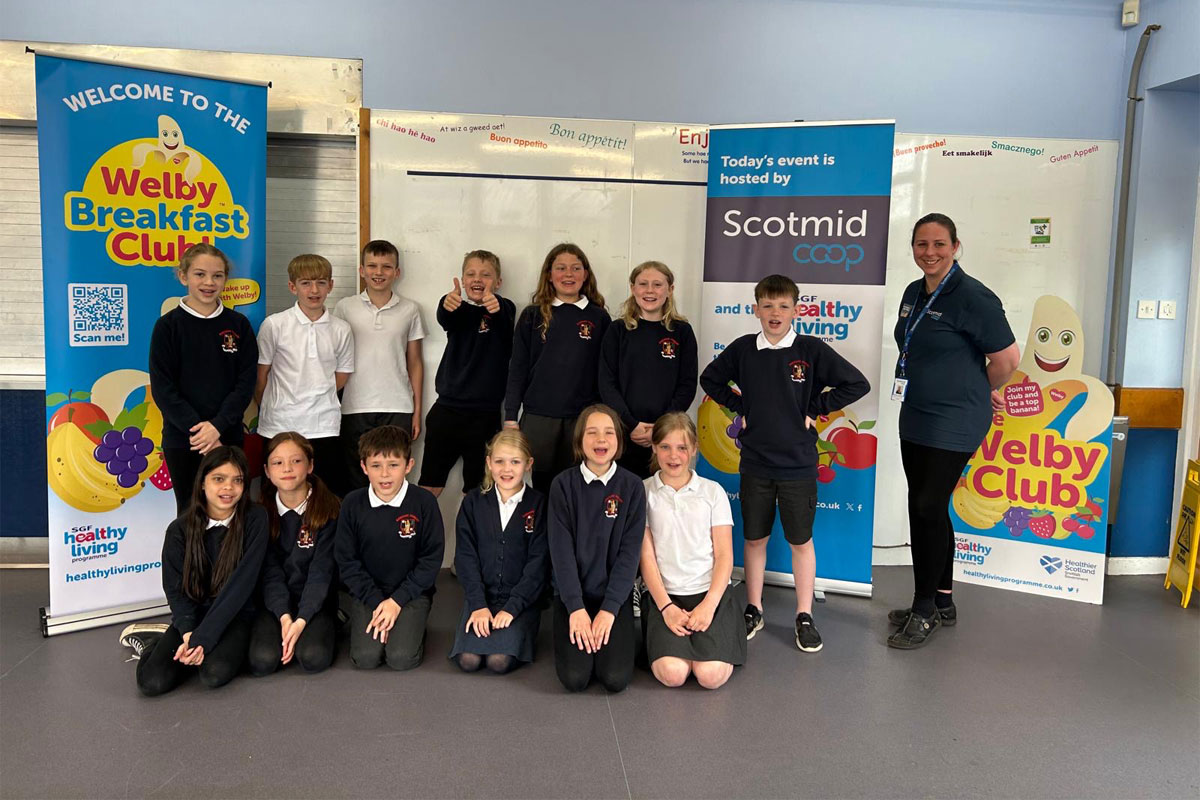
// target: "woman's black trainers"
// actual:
[[915, 633], [754, 621], [807, 637], [948, 616]]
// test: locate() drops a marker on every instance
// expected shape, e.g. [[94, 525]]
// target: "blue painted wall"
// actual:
[[23, 463], [1004, 67]]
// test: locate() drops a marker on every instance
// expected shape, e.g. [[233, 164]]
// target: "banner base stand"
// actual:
[[822, 586], [67, 623]]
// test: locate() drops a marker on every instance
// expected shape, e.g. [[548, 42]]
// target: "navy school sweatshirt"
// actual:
[[473, 373], [207, 620], [388, 551], [595, 538], [648, 371], [202, 370], [779, 388], [555, 377], [504, 570], [299, 570]]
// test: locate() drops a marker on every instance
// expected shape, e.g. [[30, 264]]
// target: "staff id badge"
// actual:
[[899, 389]]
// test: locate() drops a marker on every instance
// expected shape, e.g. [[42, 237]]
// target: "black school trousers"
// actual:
[[158, 672], [612, 664], [314, 648], [932, 474]]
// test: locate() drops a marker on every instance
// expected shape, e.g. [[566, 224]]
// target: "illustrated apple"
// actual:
[[854, 450], [81, 414]]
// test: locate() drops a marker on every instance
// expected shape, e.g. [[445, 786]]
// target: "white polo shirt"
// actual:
[[681, 524], [301, 394], [381, 336]]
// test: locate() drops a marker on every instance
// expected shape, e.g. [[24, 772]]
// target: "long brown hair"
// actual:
[[202, 580], [543, 295], [323, 505], [203, 249], [631, 312]]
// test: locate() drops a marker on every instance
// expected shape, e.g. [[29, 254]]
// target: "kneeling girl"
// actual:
[[693, 625], [501, 559], [212, 556], [299, 591], [597, 521]]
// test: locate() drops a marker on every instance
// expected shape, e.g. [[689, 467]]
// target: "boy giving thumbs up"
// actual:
[[473, 374]]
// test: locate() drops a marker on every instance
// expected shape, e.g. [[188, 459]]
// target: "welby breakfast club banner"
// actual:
[[1031, 510], [136, 166], [810, 201]]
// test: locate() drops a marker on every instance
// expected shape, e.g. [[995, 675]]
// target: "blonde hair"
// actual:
[[505, 438], [543, 295], [202, 249], [631, 312], [309, 266], [667, 424]]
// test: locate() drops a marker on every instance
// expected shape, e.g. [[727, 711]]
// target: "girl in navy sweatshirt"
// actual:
[[648, 363], [298, 617], [501, 559], [597, 521], [203, 364], [556, 353], [211, 559]]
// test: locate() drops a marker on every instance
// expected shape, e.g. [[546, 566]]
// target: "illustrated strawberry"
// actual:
[[1043, 524], [162, 478]]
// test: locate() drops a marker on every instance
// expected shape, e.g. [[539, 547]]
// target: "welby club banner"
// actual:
[[136, 166], [1031, 510], [809, 201]]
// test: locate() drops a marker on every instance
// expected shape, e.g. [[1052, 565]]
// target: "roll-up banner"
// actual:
[[136, 166], [809, 201]]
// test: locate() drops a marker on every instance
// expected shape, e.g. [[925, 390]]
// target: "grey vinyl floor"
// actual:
[[1026, 697]]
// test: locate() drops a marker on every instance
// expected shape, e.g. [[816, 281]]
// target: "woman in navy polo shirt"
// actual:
[[956, 348]]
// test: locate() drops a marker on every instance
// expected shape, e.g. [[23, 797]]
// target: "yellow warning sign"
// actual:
[[1181, 572]]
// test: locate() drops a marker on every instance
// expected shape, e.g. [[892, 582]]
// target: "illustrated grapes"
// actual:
[[123, 454]]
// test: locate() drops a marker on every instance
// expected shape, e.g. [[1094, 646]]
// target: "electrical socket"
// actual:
[[1166, 309], [1147, 309]]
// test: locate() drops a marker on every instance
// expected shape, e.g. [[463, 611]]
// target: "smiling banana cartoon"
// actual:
[[1053, 358], [169, 147]]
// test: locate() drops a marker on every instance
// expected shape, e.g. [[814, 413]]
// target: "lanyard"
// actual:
[[910, 325]]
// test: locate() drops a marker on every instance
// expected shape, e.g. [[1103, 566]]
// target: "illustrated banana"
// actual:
[[978, 512], [79, 479], [715, 445]]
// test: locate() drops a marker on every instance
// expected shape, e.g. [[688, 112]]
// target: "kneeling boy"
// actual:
[[389, 550]]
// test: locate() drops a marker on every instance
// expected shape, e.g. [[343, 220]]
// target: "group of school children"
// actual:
[[594, 415]]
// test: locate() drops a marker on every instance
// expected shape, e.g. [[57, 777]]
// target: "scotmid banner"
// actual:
[[136, 166], [809, 201], [1031, 510]]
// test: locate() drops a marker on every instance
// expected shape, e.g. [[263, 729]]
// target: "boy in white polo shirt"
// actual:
[[386, 387], [305, 356]]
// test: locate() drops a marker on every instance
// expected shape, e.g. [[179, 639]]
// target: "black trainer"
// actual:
[[141, 643], [637, 598], [915, 633], [808, 638], [948, 616], [754, 621]]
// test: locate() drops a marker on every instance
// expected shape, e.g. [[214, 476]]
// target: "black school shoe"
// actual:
[[807, 637], [948, 616], [915, 633], [754, 621]]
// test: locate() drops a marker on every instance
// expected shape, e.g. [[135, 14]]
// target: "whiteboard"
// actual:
[[443, 184]]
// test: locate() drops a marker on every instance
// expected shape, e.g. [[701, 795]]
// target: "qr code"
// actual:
[[98, 314]]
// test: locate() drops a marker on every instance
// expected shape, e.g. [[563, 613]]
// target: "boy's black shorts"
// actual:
[[797, 501], [454, 433]]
